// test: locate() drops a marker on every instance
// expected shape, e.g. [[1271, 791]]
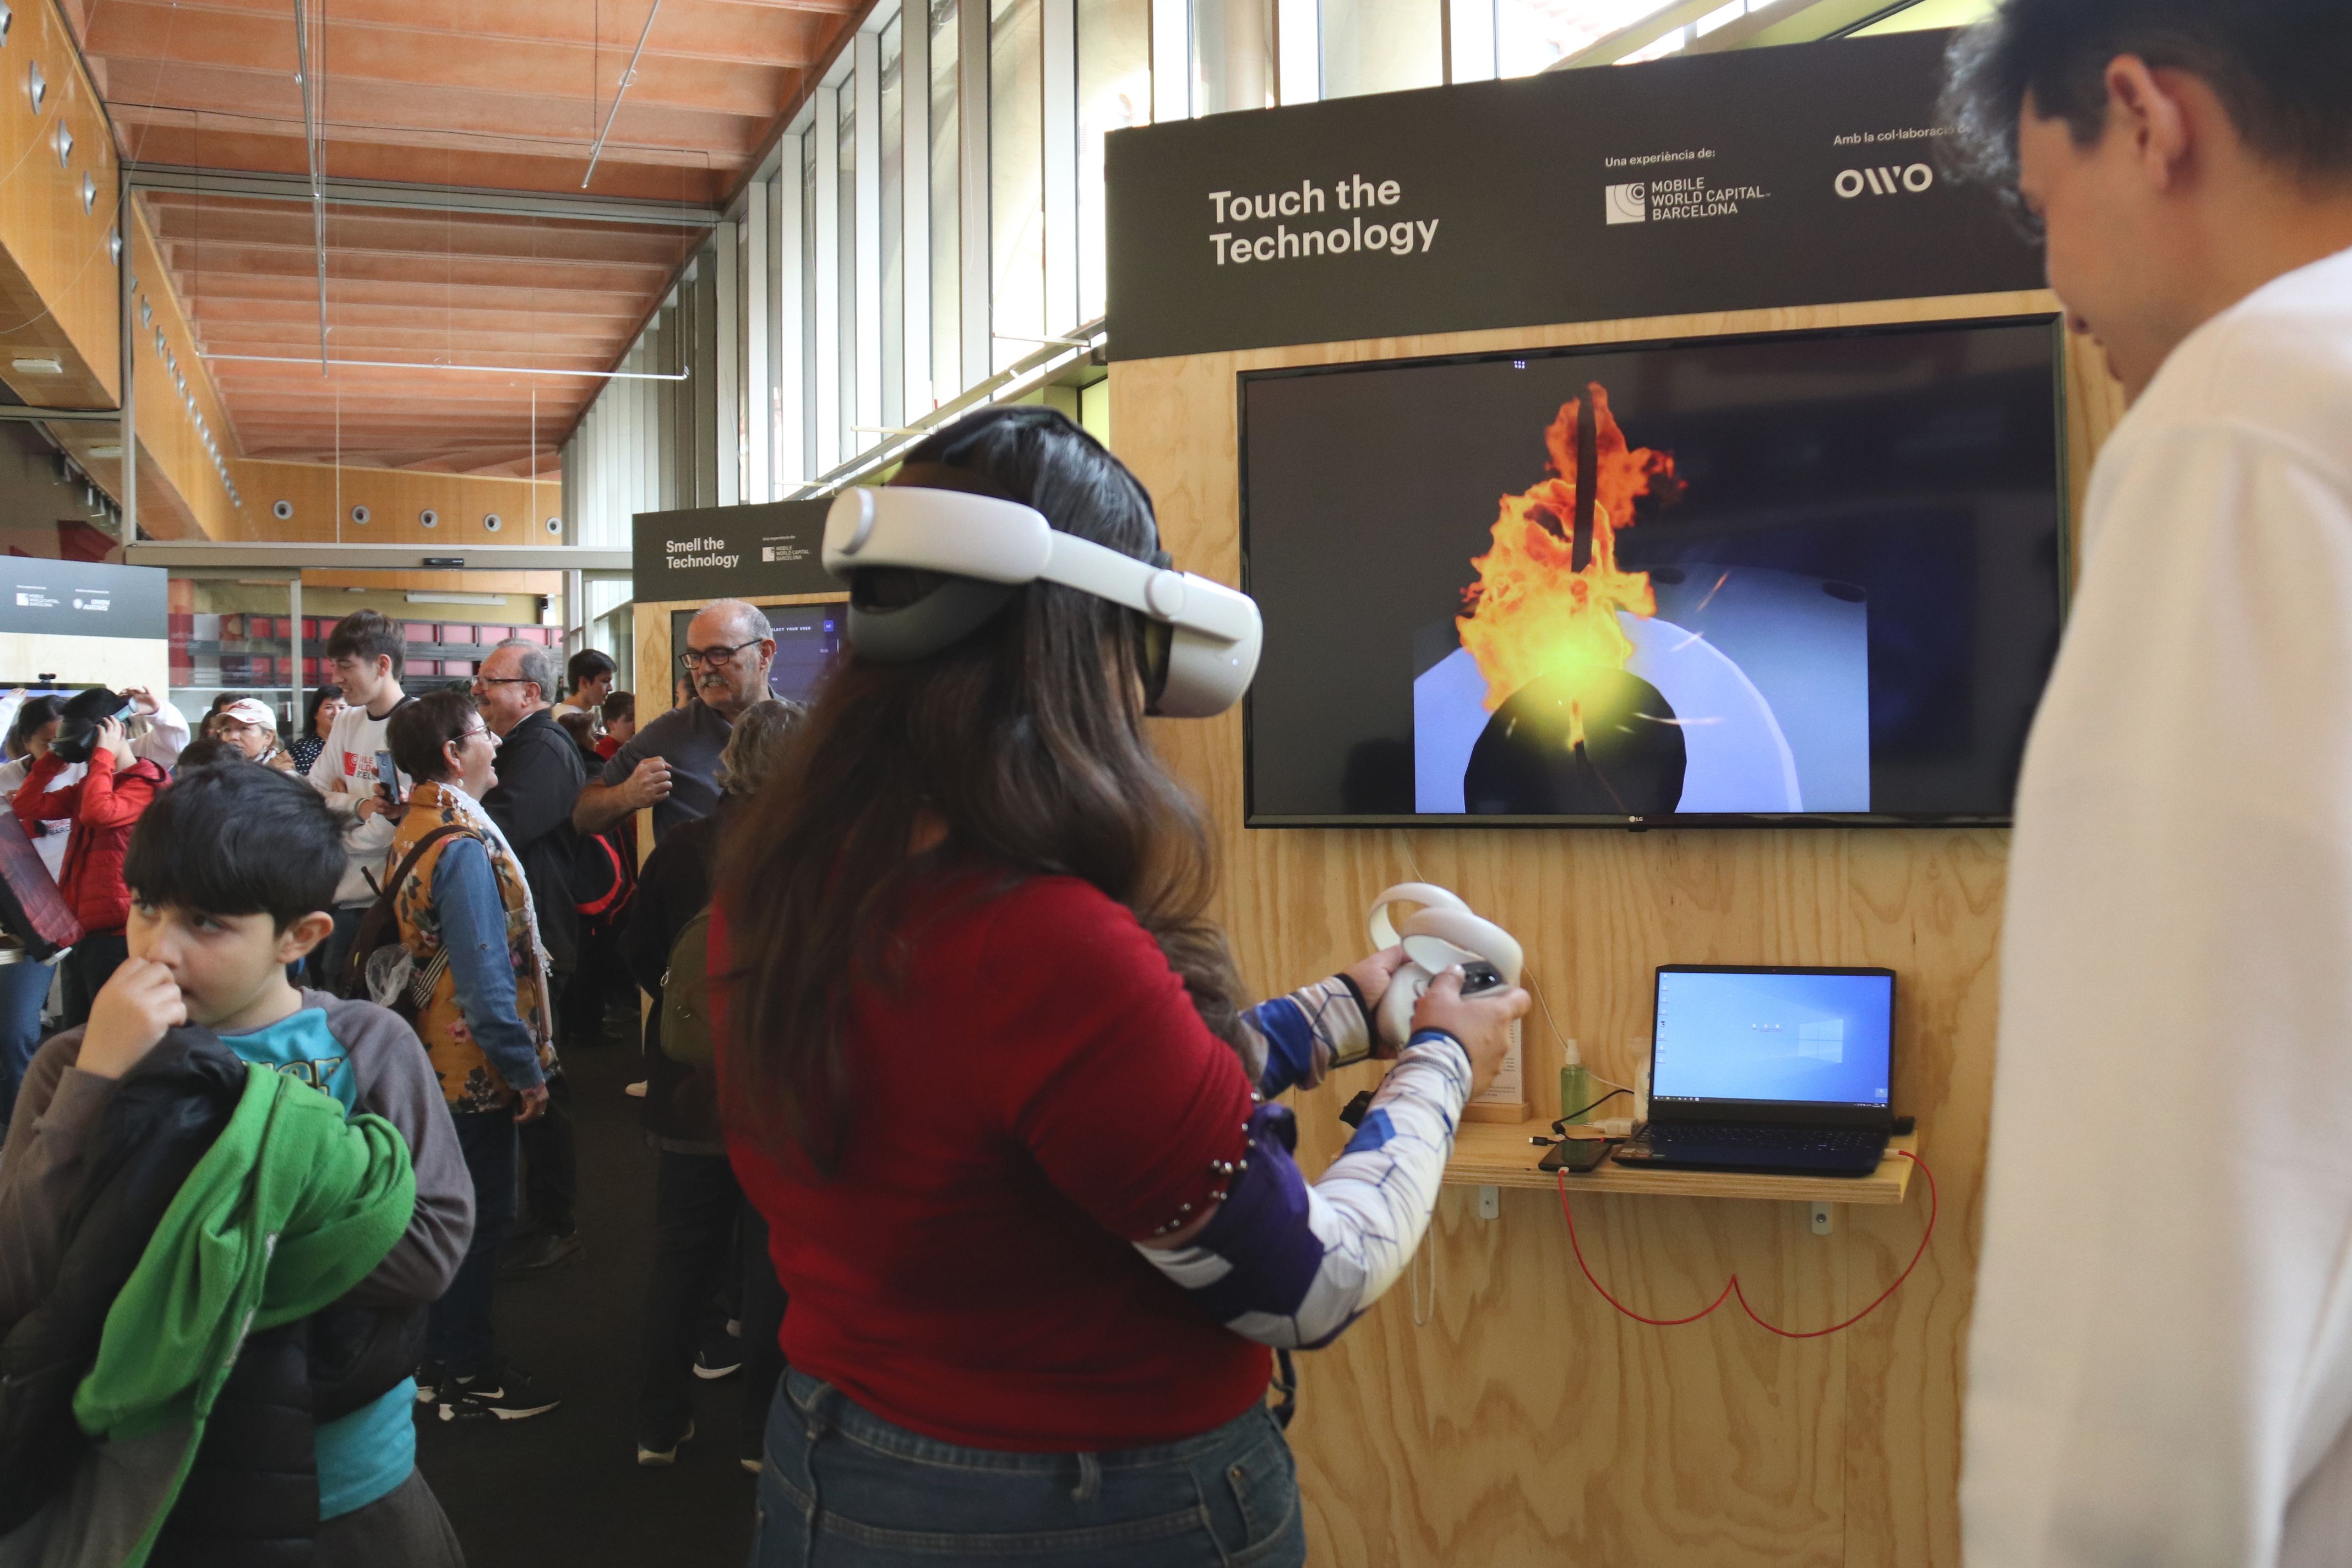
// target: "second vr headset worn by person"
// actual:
[[1200, 638]]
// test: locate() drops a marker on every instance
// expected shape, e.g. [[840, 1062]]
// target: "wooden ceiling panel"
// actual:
[[576, 76], [449, 95], [358, 110]]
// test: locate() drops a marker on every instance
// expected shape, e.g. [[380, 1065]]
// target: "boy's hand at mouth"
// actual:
[[130, 1014]]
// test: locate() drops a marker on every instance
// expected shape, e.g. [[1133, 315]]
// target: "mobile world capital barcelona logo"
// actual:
[[1629, 204]]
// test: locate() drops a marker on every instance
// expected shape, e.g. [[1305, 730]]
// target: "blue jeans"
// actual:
[[843, 1488], [458, 1332], [24, 986]]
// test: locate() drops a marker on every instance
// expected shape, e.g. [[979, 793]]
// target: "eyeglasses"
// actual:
[[504, 680], [712, 656]]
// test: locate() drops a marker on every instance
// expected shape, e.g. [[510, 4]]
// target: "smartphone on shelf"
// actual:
[[1575, 1155]]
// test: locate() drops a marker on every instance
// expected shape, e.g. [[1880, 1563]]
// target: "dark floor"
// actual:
[[566, 1487]]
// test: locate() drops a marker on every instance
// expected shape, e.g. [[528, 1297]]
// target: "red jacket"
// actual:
[[103, 807]]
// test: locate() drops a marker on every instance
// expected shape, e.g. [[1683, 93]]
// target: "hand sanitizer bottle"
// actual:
[[1575, 1085]]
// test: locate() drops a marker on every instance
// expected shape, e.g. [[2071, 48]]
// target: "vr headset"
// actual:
[[1200, 638]]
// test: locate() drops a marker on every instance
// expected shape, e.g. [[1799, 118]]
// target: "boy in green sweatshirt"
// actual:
[[232, 874]]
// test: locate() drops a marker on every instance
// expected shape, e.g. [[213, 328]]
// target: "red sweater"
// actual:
[[1042, 1092], [103, 807]]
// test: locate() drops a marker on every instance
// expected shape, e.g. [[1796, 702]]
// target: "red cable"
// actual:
[[1733, 1289]]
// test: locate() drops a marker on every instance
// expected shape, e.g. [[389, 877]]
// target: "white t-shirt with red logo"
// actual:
[[345, 774]]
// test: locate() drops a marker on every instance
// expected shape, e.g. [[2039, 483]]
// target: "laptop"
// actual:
[[1772, 1069]]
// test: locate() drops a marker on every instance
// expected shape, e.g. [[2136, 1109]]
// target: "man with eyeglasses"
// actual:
[[671, 764]]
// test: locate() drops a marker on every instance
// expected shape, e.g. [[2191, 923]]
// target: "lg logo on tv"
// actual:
[[1852, 183]]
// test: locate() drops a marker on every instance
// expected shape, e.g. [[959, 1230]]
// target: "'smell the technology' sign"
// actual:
[[1804, 175], [730, 551]]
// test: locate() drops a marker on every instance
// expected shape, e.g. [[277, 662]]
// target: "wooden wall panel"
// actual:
[[1525, 1421], [322, 496], [117, 662], [57, 283]]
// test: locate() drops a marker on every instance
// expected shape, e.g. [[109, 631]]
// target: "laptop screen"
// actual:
[[1809, 1036]]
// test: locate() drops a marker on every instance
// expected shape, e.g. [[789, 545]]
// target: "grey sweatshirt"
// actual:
[[57, 1110]]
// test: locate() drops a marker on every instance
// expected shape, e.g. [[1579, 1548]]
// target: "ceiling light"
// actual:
[[107, 449], [36, 85], [114, 245], [146, 313], [65, 145], [414, 598], [89, 192], [7, 16], [36, 367]]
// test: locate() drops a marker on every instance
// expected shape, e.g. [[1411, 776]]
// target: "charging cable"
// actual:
[[1732, 1290]]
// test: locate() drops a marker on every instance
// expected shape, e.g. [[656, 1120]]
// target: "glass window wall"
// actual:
[[1114, 92], [878, 248]]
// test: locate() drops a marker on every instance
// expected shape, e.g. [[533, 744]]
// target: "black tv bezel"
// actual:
[[1822, 1113], [2053, 321]]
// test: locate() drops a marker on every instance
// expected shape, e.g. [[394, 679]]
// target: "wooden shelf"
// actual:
[[1487, 1154]]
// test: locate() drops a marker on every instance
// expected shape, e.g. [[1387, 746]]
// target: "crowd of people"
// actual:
[[410, 870]]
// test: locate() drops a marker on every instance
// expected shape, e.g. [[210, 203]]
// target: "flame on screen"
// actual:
[[1534, 611]]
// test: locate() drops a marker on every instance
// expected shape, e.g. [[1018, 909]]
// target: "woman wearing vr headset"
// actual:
[[92, 730], [985, 1071]]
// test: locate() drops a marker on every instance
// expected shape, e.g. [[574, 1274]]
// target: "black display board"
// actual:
[[730, 551], [1798, 176], [84, 598]]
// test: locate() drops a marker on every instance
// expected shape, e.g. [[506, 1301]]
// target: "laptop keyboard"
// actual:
[[1748, 1134]]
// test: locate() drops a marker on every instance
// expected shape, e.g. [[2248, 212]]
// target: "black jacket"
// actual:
[[157, 1126], [251, 1499], [673, 887], [540, 777]]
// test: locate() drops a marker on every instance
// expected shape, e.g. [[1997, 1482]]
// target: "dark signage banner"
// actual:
[[731, 552], [85, 598], [1798, 176]]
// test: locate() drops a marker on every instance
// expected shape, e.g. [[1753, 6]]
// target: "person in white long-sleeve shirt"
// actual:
[[2160, 1361], [367, 652]]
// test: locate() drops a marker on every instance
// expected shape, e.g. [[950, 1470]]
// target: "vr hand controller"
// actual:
[[1438, 935]]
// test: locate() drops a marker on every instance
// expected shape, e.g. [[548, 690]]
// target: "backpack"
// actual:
[[686, 1033], [379, 968], [604, 881]]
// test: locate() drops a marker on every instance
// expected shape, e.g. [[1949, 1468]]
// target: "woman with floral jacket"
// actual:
[[479, 990]]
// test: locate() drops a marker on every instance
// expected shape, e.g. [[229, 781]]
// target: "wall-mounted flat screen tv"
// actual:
[[1813, 578]]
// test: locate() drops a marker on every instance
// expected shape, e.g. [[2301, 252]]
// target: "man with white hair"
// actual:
[[540, 775], [671, 765]]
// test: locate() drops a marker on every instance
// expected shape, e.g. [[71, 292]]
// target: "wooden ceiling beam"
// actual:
[[504, 336], [356, 228], [386, 304], [243, 142], [199, 263]]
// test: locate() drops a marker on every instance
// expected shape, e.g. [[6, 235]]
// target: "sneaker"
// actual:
[[540, 1251], [501, 1394], [655, 1454], [430, 1375], [721, 1355], [637, 1090]]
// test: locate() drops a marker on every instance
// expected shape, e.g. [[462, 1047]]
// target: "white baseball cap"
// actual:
[[247, 711]]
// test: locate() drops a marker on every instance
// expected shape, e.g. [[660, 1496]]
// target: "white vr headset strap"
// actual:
[[966, 535]]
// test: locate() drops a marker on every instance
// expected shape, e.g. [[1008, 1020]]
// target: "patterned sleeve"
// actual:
[[1293, 1041], [1290, 1265]]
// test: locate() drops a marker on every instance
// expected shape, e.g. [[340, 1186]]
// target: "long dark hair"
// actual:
[[1024, 739]]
